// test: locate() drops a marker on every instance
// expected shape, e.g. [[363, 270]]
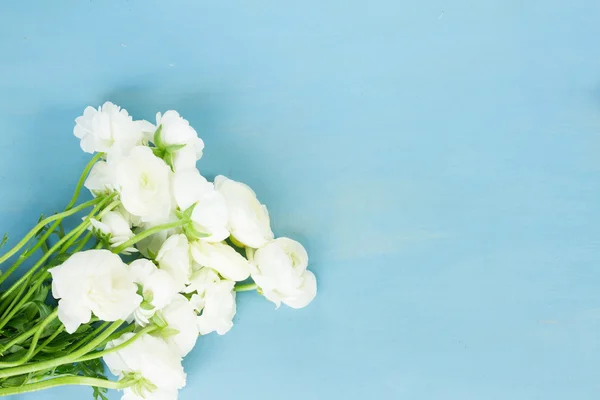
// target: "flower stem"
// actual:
[[34, 342], [10, 301], [82, 178], [35, 230], [89, 336], [55, 362], [63, 381], [147, 233], [19, 339], [48, 340], [82, 242], [246, 287], [126, 343], [9, 313]]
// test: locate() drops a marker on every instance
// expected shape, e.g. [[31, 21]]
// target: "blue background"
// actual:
[[439, 160]]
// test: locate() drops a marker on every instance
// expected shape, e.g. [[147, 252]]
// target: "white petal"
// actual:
[[222, 258]]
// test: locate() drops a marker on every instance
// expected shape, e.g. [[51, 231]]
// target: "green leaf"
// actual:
[[19, 322], [168, 332], [140, 290], [42, 293], [15, 353], [158, 320], [174, 147], [168, 159], [187, 213], [158, 137], [158, 152], [100, 393], [193, 233], [14, 381]]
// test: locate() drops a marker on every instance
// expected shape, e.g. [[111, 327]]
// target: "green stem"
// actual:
[[246, 287], [63, 381], [48, 340], [83, 242], [116, 335], [89, 336], [6, 319], [15, 300], [35, 230], [34, 342], [147, 233], [82, 179], [126, 343], [68, 359], [19, 339]]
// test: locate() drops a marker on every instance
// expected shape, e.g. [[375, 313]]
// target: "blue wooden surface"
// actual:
[[439, 160]]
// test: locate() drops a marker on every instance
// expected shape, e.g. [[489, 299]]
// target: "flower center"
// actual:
[[145, 181]]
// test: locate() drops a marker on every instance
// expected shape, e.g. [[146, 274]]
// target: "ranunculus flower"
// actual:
[[144, 183], [93, 281], [279, 269], [114, 225], [158, 289], [177, 131], [249, 221], [222, 258], [174, 257], [150, 358], [180, 315], [108, 128], [215, 299], [210, 213]]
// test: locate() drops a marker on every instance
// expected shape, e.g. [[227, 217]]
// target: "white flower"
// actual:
[[93, 281], [158, 289], [217, 304], [174, 257], [144, 182], [279, 269], [249, 221], [180, 315], [108, 128], [222, 258], [177, 131], [116, 227], [150, 358], [210, 213]]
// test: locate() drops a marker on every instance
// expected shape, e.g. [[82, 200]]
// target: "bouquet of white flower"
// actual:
[[156, 262]]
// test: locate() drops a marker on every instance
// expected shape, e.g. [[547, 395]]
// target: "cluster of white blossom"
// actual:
[[193, 240]]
